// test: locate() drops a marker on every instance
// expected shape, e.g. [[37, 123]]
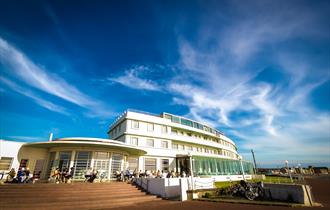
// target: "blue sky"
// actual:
[[258, 70]]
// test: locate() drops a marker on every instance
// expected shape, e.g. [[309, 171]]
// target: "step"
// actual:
[[71, 207], [78, 204], [69, 198]]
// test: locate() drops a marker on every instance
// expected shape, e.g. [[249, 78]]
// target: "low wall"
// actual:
[[163, 187], [291, 192], [177, 187]]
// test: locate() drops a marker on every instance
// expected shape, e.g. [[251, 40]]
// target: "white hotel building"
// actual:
[[137, 140]]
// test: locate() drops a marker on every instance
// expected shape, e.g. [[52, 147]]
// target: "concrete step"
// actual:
[[60, 198], [71, 196], [77, 203], [68, 194], [80, 207]]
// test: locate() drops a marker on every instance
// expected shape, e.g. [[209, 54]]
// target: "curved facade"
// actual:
[[140, 141], [170, 140]]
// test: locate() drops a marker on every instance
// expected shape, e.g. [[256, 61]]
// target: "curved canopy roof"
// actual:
[[88, 143]]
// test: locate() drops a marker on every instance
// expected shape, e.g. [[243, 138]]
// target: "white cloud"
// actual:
[[132, 80], [38, 100], [27, 138], [20, 66], [265, 115]]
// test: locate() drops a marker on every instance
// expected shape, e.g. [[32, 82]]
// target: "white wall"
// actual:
[[10, 149]]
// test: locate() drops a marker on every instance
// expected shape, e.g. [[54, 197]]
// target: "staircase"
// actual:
[[71, 196]]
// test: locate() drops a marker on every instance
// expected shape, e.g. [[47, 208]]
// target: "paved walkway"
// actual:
[[320, 187]]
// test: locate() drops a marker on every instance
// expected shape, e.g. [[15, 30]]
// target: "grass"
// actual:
[[269, 179]]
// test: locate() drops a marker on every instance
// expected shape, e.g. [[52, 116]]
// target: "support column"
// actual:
[[72, 159]]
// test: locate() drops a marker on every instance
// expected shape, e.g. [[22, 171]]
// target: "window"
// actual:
[[119, 127], [150, 127], [116, 163], [189, 148], [181, 147], [134, 141], [150, 143], [164, 144], [164, 129], [23, 163], [135, 124], [207, 150], [5, 163], [82, 164], [165, 165], [64, 160], [133, 163], [174, 132], [186, 122], [175, 119], [175, 146], [150, 164]]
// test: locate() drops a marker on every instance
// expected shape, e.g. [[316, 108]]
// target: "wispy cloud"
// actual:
[[20, 66], [37, 99], [27, 138], [220, 83], [261, 113], [132, 79]]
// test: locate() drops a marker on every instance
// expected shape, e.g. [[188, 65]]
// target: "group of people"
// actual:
[[128, 175], [23, 175], [62, 176]]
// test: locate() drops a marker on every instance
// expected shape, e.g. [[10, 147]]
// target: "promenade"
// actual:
[[123, 196]]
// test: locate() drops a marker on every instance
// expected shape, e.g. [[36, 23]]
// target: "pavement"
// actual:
[[320, 189]]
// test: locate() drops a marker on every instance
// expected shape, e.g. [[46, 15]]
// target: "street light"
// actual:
[[191, 171], [287, 166]]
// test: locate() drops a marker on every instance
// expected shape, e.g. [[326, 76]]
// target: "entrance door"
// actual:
[[183, 165]]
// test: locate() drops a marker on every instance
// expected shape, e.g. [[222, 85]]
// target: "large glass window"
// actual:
[[150, 142], [133, 163], [175, 119], [186, 122], [51, 163], [101, 163], [116, 163], [218, 166], [150, 164], [5, 163], [82, 164], [64, 160]]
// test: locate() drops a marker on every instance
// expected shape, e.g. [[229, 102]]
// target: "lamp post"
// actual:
[[287, 166], [191, 171], [240, 160]]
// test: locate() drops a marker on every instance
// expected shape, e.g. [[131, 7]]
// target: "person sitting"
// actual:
[[128, 175], [135, 174], [11, 176], [118, 175], [27, 175], [20, 175], [69, 174], [93, 176], [56, 175], [158, 174], [88, 174]]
